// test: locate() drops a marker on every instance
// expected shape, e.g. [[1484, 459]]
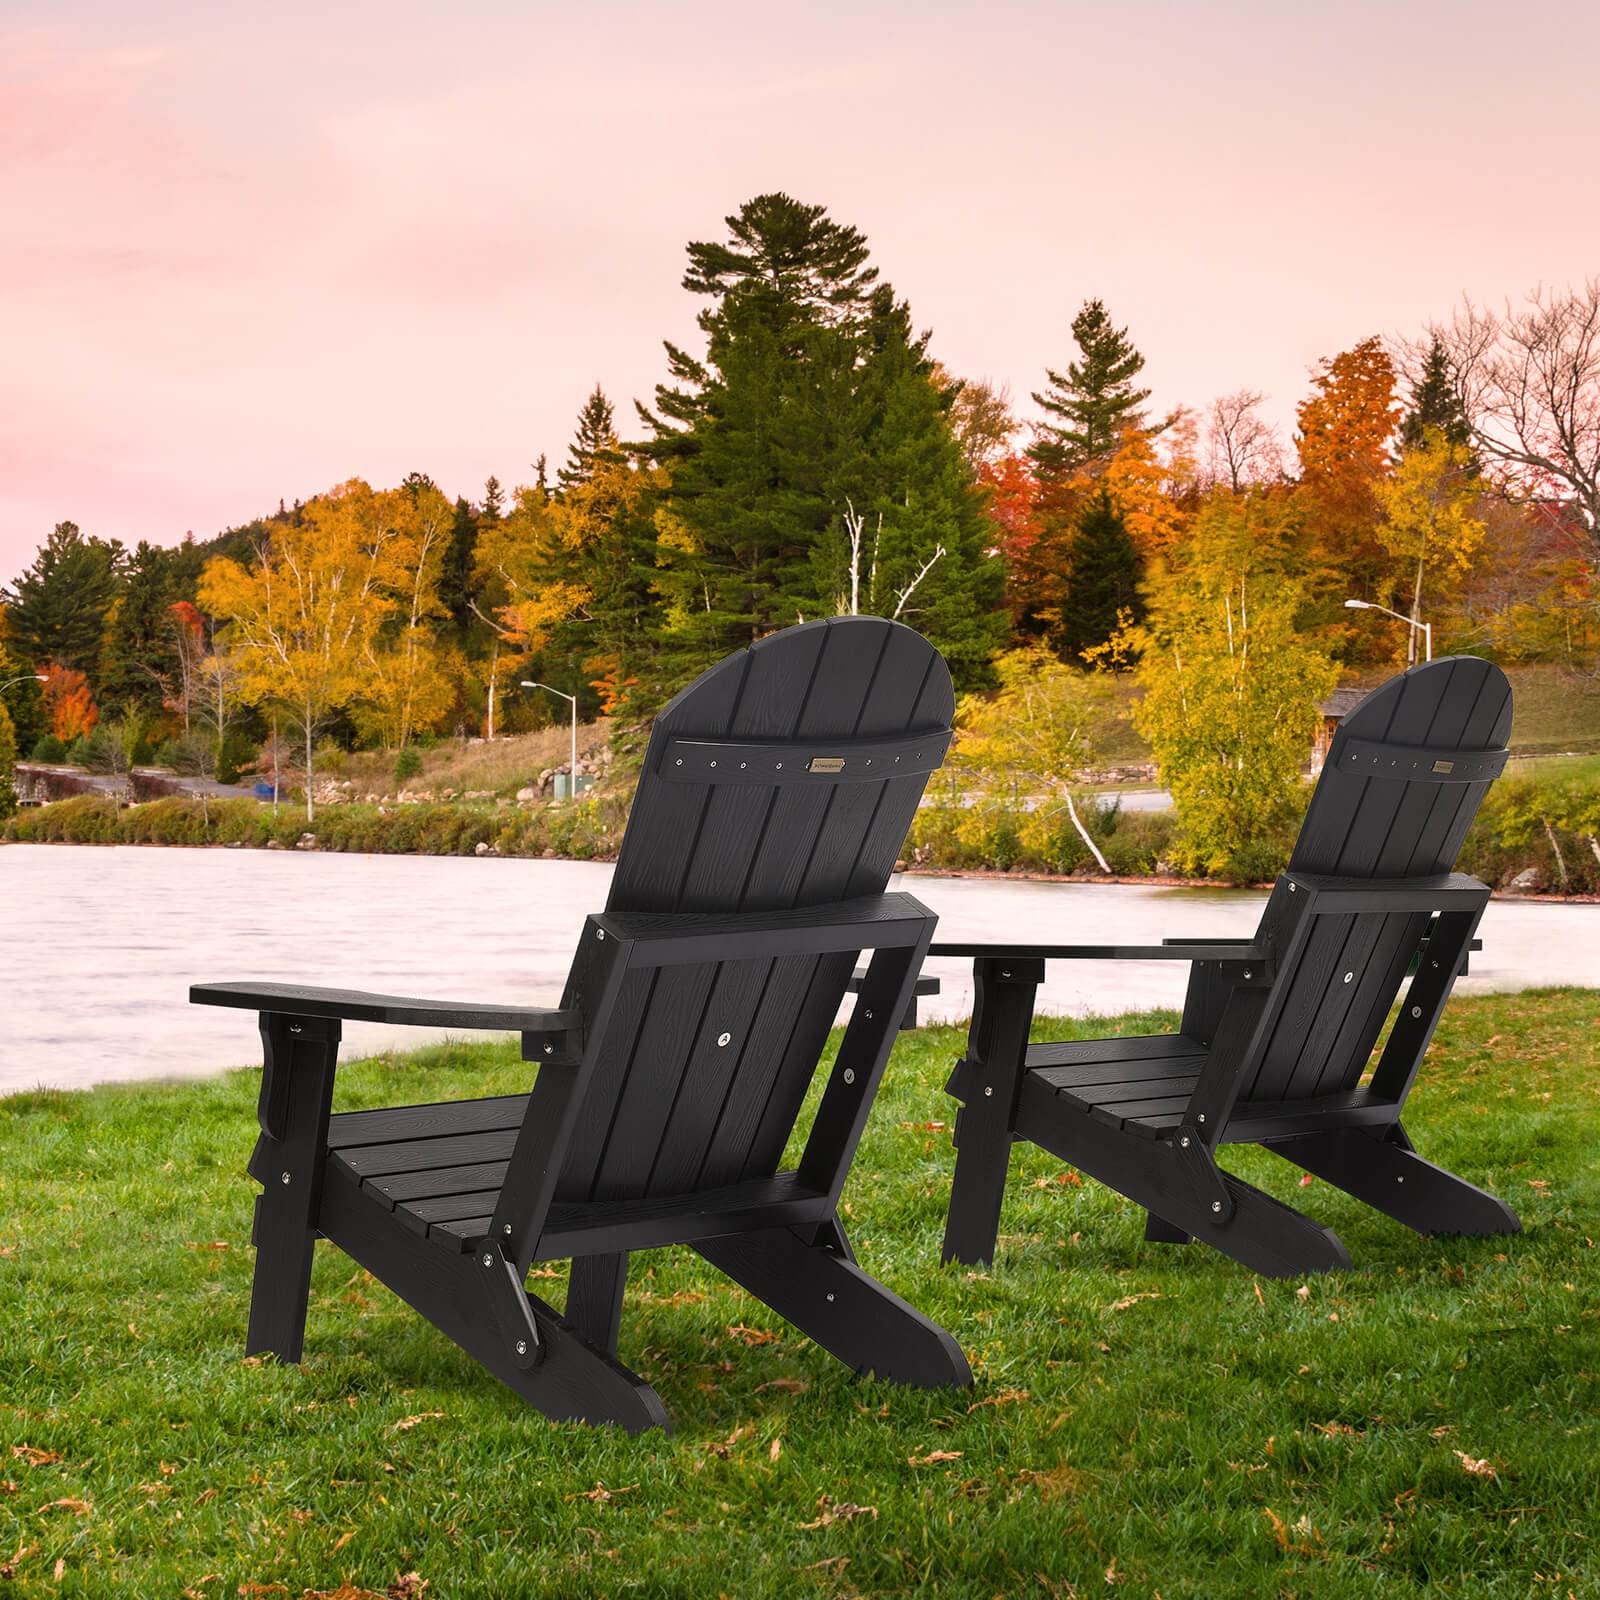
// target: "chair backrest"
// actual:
[[720, 826], [1404, 777]]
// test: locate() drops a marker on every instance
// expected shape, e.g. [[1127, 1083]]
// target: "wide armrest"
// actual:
[[669, 938], [1444, 891], [357, 1005], [1177, 950]]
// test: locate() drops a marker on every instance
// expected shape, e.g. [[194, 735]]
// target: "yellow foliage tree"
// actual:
[[1154, 490], [1430, 518]]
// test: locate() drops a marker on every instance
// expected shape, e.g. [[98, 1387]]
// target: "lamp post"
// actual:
[[1424, 628], [41, 677], [572, 700]]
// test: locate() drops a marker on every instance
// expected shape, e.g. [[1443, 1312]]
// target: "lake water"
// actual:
[[98, 946]]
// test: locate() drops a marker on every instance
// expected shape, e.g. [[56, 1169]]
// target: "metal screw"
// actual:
[[284, 1178], [1416, 1011], [599, 933], [1349, 977], [780, 766], [723, 1038], [506, 1230], [849, 1074], [1183, 1143], [869, 761], [743, 765], [1248, 973], [830, 1297], [1216, 1205], [713, 763], [549, 1049], [1293, 888], [1435, 963], [488, 1260], [988, 1094], [680, 761], [867, 1015], [1201, 1117], [294, 1027], [522, 1347], [1005, 972], [1400, 1180]]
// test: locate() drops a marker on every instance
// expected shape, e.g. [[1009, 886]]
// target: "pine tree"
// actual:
[[1095, 399], [1435, 403], [1103, 580], [593, 444], [456, 587], [24, 699], [58, 607], [493, 499], [139, 662]]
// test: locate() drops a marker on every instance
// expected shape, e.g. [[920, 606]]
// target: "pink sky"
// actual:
[[247, 257]]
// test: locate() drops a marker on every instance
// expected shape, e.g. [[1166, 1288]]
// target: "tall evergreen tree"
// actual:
[[24, 699], [1103, 579], [494, 500], [812, 411], [456, 587], [593, 444], [1435, 403], [57, 609], [139, 661], [1093, 401]]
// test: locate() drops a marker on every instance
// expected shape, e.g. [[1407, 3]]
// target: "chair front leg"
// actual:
[[989, 1081], [299, 1056]]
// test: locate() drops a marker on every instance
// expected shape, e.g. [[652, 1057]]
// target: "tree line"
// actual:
[[811, 457]]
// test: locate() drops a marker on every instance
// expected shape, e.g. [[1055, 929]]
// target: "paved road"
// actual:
[[99, 945]]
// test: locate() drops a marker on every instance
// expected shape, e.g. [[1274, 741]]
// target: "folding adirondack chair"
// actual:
[[776, 793], [1278, 1030]]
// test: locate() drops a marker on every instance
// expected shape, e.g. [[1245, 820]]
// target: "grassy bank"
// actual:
[[1146, 1420]]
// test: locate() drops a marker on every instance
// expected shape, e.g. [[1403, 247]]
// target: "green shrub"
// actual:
[[407, 765], [50, 749], [8, 762], [236, 752]]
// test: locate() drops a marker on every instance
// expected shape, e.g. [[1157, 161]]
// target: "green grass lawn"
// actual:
[[1146, 1420]]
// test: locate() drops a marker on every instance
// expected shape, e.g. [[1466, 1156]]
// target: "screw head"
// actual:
[[600, 933], [506, 1230], [867, 1015], [1201, 1117], [830, 1297], [849, 1074], [988, 1094], [1005, 972], [1400, 1179], [679, 761], [294, 1027], [713, 763], [723, 1039], [780, 766], [1248, 973], [522, 1347], [1216, 1205], [1416, 1011], [1293, 888], [743, 765], [283, 1178], [549, 1049], [1349, 977], [488, 1260], [1183, 1143]]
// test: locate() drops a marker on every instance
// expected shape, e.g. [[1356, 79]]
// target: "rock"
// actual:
[[482, 849], [527, 794], [479, 794], [307, 841], [1529, 879], [275, 844]]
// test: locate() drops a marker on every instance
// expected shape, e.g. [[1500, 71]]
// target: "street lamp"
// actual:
[[1426, 628], [572, 699], [42, 677]]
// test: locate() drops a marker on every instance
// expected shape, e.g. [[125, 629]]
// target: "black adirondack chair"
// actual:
[[775, 797], [1278, 1030]]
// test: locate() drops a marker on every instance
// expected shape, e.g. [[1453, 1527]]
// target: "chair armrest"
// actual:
[[356, 1005], [872, 922], [1184, 950], [1445, 891]]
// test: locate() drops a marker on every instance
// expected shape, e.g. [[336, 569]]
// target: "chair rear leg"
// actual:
[[296, 1096], [594, 1298], [1159, 1231], [812, 1284], [1391, 1177], [978, 1189]]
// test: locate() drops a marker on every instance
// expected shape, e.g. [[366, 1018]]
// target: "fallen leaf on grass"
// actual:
[[1306, 1180], [784, 1386], [1059, 1480], [835, 1564], [8, 1487], [933, 1457], [345, 1591], [776, 1450], [1006, 1397], [726, 1447], [1477, 1468], [1329, 1429], [600, 1494], [192, 1591], [1305, 1545], [753, 1336], [1133, 1300], [1303, 1292], [343, 1540], [406, 1424], [828, 1513], [60, 1568], [262, 1588], [407, 1586], [205, 1496], [79, 1508], [1538, 1183], [33, 1455], [1062, 1180]]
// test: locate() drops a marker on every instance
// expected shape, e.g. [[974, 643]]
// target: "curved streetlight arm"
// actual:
[[37, 677], [572, 699], [1425, 628]]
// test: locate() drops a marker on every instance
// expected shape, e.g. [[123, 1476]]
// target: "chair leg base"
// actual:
[[281, 1288], [1391, 1177], [572, 1382], [851, 1315]]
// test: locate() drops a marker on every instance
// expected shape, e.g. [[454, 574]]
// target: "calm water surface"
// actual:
[[98, 946]]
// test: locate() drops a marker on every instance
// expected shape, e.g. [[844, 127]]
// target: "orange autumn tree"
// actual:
[[69, 704], [1156, 490], [1347, 428]]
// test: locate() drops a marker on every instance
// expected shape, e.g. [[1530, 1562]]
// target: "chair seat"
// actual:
[[1140, 1084], [439, 1169]]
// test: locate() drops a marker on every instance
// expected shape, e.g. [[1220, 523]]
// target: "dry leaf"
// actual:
[[1306, 1180], [262, 1588], [343, 1540], [60, 1568], [600, 1494], [1059, 1480], [1478, 1469], [1332, 1428], [405, 1424], [200, 1500], [79, 1508], [829, 1513], [1062, 1180], [34, 1456], [1133, 1300], [1006, 1397], [1303, 1292], [753, 1336], [933, 1457], [784, 1386], [407, 1586], [776, 1450]]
